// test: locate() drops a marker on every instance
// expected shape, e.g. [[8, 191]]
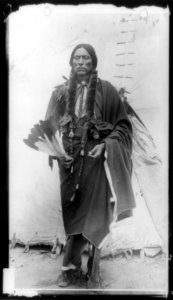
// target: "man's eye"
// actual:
[[84, 57]]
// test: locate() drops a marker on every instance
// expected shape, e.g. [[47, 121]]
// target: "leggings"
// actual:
[[73, 250]]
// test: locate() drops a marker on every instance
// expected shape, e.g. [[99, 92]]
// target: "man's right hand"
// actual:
[[67, 162]]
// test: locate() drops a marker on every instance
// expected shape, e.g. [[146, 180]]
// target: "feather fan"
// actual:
[[45, 138]]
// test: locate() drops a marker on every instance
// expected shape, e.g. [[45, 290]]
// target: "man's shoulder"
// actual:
[[61, 87], [108, 86], [60, 90]]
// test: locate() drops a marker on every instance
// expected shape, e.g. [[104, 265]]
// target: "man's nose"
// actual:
[[80, 61]]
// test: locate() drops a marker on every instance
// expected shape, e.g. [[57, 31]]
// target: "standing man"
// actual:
[[96, 182]]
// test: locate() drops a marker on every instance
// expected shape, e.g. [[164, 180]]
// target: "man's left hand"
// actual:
[[97, 150]]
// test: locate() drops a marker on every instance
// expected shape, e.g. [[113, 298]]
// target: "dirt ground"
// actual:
[[39, 268]]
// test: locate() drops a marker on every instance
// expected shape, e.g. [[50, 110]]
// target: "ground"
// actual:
[[38, 269]]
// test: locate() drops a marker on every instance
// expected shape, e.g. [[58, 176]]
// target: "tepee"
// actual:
[[132, 49]]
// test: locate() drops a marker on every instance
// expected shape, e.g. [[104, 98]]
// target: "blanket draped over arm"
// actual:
[[118, 147], [118, 138]]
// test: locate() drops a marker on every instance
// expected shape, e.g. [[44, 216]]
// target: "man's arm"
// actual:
[[55, 109], [56, 106]]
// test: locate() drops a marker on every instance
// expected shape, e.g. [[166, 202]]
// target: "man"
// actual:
[[96, 181]]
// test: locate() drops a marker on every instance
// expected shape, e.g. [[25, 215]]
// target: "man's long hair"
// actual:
[[70, 108]]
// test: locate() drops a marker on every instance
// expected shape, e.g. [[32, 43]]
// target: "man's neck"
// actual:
[[83, 78]]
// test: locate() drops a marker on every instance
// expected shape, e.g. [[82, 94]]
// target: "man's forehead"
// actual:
[[81, 52]]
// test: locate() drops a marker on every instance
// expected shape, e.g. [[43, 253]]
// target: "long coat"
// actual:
[[91, 212]]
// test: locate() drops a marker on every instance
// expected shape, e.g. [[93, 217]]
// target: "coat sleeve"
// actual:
[[55, 110], [56, 106], [51, 106]]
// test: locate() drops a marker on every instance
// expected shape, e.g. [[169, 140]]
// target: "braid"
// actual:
[[71, 94], [70, 104], [91, 94]]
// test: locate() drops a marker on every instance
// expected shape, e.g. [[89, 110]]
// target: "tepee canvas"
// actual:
[[132, 50]]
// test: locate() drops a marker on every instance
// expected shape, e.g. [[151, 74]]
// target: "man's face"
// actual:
[[82, 62]]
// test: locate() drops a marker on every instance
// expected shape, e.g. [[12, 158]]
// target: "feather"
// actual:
[[45, 138]]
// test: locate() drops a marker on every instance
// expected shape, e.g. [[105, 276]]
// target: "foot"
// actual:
[[80, 279], [96, 284], [70, 277], [65, 279]]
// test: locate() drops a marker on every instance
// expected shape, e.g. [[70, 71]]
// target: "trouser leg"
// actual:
[[68, 251], [72, 261], [94, 267], [74, 248], [78, 248]]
